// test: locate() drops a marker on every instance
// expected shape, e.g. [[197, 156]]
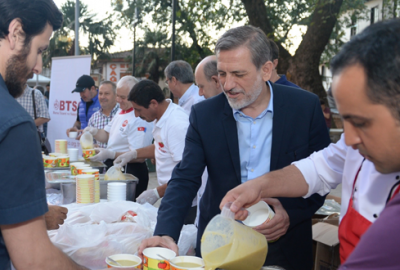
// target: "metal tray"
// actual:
[[93, 164]]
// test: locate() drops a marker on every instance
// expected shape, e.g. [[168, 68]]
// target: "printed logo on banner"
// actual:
[[125, 123], [65, 105]]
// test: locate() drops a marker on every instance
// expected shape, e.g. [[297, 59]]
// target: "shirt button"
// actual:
[[254, 147], [397, 177], [254, 122], [252, 170]]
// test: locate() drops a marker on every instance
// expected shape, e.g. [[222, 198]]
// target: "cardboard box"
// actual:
[[326, 244]]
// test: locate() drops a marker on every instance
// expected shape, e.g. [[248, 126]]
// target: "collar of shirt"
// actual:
[[270, 108], [160, 123], [187, 94], [113, 111], [127, 111], [2, 83], [27, 91]]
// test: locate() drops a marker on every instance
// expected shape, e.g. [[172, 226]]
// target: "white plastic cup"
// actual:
[[73, 134], [73, 154], [258, 214]]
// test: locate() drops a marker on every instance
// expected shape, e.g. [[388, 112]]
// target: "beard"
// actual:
[[248, 99], [17, 73]]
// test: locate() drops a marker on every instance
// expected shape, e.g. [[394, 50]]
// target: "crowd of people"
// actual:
[[240, 133]]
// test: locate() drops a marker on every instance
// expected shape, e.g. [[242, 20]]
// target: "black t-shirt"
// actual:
[[22, 183], [88, 104]]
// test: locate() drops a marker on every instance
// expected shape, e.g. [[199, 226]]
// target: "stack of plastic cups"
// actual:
[[85, 192], [81, 168], [94, 172], [116, 192], [61, 146], [73, 166]]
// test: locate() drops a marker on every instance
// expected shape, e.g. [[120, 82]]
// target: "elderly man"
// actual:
[[25, 29], [206, 75], [241, 135], [109, 108], [124, 133], [89, 102], [180, 81], [366, 76]]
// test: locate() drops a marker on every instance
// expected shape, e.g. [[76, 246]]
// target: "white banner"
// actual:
[[63, 104]]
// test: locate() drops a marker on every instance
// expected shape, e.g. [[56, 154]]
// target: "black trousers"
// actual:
[[137, 169]]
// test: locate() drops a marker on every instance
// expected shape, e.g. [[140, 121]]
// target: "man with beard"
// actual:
[[254, 128], [25, 29]]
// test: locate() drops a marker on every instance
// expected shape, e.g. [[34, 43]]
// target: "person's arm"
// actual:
[[55, 217], [42, 111], [30, 248], [287, 182], [40, 121]]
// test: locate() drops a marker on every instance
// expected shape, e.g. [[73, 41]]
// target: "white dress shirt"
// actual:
[[339, 163], [190, 98]]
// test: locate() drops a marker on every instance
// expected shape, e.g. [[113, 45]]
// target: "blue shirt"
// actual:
[[282, 80], [255, 141], [22, 184]]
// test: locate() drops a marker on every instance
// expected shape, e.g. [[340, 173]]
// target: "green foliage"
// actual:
[[100, 34]]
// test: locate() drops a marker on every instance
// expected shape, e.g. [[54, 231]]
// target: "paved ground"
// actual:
[[153, 184]]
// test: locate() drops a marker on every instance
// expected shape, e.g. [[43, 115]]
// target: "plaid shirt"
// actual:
[[100, 120], [41, 108]]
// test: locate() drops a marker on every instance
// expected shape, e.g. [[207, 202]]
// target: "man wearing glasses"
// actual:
[[180, 80], [89, 102]]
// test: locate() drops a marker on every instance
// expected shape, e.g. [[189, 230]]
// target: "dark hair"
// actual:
[[34, 15], [145, 91], [251, 37], [181, 70], [274, 49], [377, 50], [40, 88]]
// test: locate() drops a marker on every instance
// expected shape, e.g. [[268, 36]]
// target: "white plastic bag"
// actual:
[[86, 141], [114, 173]]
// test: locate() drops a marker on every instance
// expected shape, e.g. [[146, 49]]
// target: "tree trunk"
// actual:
[[304, 67], [257, 13]]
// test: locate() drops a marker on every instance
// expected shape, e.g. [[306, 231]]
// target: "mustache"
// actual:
[[235, 91]]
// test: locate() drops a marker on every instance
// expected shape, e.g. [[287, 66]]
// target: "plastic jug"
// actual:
[[230, 245], [86, 141]]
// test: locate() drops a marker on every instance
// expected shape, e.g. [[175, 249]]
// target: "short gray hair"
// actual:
[[251, 37], [210, 69], [113, 85], [128, 81], [181, 70]]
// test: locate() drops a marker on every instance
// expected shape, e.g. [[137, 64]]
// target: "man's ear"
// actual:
[[15, 33], [215, 80], [267, 70], [153, 103]]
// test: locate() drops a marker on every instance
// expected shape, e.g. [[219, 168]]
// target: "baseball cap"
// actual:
[[84, 81]]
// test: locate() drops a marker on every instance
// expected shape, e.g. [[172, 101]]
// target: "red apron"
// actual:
[[353, 226]]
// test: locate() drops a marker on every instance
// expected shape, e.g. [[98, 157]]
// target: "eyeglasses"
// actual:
[[166, 81]]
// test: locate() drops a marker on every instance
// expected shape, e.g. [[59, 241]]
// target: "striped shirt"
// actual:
[[41, 108], [99, 120]]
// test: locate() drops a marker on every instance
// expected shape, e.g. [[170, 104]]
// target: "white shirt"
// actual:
[[190, 98], [338, 163], [169, 139], [128, 132]]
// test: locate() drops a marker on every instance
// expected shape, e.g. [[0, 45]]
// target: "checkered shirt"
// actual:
[[100, 120], [41, 108]]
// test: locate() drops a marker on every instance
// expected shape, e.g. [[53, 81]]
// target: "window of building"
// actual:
[[374, 15], [353, 31]]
